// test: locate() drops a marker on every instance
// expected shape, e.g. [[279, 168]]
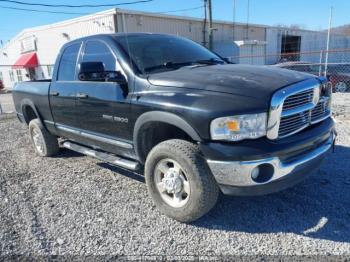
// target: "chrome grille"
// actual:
[[321, 110], [298, 99], [297, 107], [292, 124]]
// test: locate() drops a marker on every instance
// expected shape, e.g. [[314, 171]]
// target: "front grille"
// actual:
[[320, 110], [298, 99], [292, 124], [299, 112]]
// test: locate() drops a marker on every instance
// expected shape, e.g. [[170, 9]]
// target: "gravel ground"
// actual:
[[76, 205], [6, 103]]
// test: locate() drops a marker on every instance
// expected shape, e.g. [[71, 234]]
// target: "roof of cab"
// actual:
[[113, 36], [117, 35]]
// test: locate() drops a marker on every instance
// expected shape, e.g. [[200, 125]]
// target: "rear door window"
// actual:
[[67, 66]]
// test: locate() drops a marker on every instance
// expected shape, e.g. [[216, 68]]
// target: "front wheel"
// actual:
[[179, 180]]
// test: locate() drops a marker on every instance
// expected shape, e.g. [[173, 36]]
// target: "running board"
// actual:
[[112, 159]]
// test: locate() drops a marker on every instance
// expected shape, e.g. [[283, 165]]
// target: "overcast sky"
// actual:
[[312, 14]]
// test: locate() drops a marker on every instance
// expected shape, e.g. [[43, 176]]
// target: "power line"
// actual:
[[180, 10], [75, 6], [41, 11], [76, 13]]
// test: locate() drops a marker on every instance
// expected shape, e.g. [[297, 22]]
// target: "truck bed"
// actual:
[[36, 92]]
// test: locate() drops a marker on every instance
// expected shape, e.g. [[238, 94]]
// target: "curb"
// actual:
[[7, 116]]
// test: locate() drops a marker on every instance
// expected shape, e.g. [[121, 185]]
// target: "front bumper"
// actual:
[[275, 172]]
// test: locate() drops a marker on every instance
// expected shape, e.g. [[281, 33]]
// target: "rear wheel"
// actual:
[[44, 143], [179, 180]]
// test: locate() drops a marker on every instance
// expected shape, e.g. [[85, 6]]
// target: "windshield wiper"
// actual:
[[167, 65], [211, 61], [174, 66]]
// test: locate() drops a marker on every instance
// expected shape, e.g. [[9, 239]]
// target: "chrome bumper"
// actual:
[[239, 173]]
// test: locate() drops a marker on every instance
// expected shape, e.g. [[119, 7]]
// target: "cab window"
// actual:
[[67, 66], [96, 51]]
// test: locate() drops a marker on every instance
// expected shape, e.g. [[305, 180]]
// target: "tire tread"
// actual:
[[51, 143], [208, 184]]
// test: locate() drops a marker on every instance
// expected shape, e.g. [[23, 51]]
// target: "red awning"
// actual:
[[26, 60]]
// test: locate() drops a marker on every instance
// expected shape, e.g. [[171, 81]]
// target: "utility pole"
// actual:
[[328, 40], [248, 14], [234, 20], [210, 31], [205, 23]]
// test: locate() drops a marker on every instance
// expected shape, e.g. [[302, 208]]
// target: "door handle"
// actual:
[[82, 95], [54, 93]]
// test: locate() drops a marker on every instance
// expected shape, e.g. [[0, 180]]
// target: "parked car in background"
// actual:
[[307, 67], [338, 74]]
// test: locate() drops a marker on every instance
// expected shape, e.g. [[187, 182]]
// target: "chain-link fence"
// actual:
[[334, 64], [337, 73]]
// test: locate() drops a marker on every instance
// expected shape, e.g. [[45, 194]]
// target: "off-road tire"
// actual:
[[204, 189], [50, 142]]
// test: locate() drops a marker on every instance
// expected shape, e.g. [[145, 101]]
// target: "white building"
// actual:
[[33, 51], [31, 54]]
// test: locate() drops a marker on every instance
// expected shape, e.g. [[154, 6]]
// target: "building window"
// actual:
[[28, 44], [12, 78], [49, 70], [19, 75]]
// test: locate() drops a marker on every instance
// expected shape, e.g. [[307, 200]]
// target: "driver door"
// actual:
[[99, 103]]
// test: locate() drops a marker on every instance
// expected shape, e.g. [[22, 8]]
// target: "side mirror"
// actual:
[[92, 67], [95, 71], [91, 71], [115, 76]]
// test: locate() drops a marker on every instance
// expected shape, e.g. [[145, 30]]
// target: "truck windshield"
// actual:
[[155, 53]]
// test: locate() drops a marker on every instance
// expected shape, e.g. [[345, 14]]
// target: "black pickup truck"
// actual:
[[196, 124]]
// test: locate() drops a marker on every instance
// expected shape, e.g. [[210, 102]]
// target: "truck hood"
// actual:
[[242, 80]]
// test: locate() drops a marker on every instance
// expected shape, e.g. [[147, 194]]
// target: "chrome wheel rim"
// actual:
[[172, 183], [37, 140], [340, 87]]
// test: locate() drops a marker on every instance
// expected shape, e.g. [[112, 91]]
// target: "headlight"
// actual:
[[326, 91], [235, 128]]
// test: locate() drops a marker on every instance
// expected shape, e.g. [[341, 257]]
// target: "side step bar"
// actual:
[[112, 159]]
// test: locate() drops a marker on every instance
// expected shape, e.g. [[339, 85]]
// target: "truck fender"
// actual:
[[164, 117], [26, 102]]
